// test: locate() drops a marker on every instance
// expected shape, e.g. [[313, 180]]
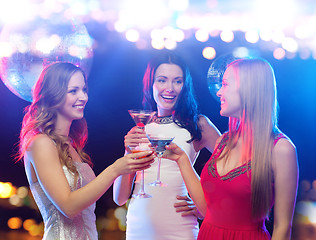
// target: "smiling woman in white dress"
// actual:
[[170, 213]]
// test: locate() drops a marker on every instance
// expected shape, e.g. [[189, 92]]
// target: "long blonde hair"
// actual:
[[40, 117], [257, 128]]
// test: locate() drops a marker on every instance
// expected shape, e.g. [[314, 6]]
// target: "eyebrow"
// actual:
[[167, 77], [77, 86]]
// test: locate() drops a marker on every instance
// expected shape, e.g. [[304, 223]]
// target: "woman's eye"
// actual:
[[179, 81], [160, 80], [72, 91]]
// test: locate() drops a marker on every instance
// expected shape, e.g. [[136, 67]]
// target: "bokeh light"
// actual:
[[15, 223], [6, 190], [209, 53]]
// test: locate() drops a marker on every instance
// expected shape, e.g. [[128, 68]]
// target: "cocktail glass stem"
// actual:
[[158, 170], [142, 190], [142, 193], [158, 182]]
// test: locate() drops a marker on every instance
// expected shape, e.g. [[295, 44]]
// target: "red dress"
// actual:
[[228, 198]]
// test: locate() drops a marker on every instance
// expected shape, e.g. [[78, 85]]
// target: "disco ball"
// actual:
[[35, 44], [216, 71]]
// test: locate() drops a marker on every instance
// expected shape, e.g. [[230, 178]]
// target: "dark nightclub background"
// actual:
[[115, 85]]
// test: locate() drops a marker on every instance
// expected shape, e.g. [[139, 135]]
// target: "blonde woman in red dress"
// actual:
[[254, 165]]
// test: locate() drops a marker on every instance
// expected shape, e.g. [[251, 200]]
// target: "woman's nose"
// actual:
[[170, 87], [219, 93], [83, 95]]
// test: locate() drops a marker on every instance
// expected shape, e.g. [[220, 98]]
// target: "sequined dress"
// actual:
[[228, 198], [56, 225], [156, 218]]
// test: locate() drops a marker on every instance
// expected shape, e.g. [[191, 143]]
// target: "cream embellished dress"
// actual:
[[56, 225], [156, 218]]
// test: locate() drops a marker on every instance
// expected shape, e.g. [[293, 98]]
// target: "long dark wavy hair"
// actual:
[[40, 118], [186, 113]]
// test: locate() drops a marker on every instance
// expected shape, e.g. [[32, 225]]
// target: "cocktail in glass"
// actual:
[[135, 149], [159, 143], [141, 118]]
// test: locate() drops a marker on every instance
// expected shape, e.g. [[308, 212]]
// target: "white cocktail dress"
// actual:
[[156, 218]]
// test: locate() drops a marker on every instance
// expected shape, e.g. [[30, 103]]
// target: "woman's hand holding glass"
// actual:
[[176, 153], [133, 162], [135, 137]]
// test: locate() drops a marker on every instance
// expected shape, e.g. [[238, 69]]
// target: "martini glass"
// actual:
[[136, 149], [141, 118], [159, 143]]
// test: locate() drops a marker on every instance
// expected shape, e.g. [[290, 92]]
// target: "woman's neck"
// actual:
[[62, 128]]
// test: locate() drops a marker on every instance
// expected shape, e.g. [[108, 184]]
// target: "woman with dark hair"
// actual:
[[53, 136], [254, 165], [170, 213]]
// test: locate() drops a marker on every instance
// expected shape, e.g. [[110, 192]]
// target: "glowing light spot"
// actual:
[[290, 44], [6, 49], [158, 43], [22, 192], [278, 36], [252, 36], [167, 32], [44, 45], [265, 35], [279, 53], [184, 22], [227, 36], [209, 53], [178, 35], [15, 201], [15, 223], [119, 26], [6, 190], [132, 35], [28, 223], [35, 230], [170, 44], [201, 35], [120, 213]]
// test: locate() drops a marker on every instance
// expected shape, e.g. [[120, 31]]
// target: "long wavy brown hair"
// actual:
[[40, 118], [257, 128]]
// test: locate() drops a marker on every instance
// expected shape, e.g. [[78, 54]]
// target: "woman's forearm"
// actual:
[[193, 184]]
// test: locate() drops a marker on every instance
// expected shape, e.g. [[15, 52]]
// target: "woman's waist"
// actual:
[[241, 222]]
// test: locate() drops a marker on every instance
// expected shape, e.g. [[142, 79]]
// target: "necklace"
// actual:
[[164, 120]]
